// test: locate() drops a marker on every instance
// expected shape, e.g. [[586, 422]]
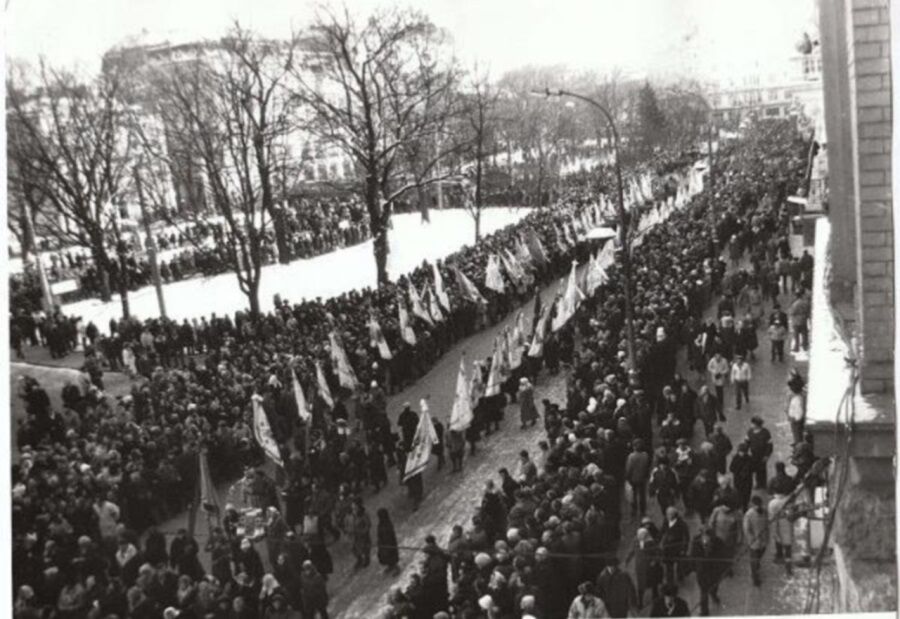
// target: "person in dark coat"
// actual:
[[670, 605], [616, 590], [673, 542], [434, 578], [388, 553], [709, 561], [741, 469], [313, 592], [408, 422]]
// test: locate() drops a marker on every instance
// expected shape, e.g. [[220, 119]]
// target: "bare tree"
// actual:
[[69, 141], [217, 106], [480, 127], [379, 90]]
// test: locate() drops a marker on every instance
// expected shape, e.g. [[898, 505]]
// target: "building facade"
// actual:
[[851, 404]]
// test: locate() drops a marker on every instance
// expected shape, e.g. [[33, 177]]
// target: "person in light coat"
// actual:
[[756, 534], [782, 529]]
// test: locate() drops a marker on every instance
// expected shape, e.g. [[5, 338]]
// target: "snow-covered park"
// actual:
[[328, 275]]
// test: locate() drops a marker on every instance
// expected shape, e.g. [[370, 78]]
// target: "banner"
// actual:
[[596, 275], [423, 441], [515, 274], [415, 302], [470, 291], [461, 415], [262, 432], [406, 331], [569, 302], [514, 344], [346, 375], [302, 406], [535, 247], [540, 333], [442, 295], [495, 375], [493, 279], [376, 338], [432, 305], [324, 390]]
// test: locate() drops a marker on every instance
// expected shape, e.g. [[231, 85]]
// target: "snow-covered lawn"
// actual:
[[324, 276]]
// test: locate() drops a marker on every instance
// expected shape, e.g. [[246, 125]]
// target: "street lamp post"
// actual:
[[624, 241]]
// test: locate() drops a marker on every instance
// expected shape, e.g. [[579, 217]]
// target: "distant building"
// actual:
[[773, 96]]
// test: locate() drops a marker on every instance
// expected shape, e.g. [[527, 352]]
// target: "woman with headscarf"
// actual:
[[247, 560], [388, 553], [528, 414], [313, 592], [276, 531], [270, 588]]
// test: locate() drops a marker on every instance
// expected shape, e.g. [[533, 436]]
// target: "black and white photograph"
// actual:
[[448, 309]]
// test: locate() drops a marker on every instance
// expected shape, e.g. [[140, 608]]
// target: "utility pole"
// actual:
[[623, 217], [151, 244]]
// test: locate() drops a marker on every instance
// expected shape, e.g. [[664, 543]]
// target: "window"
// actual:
[[773, 95], [773, 111]]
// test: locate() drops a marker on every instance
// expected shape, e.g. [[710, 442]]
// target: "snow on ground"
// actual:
[[325, 276]]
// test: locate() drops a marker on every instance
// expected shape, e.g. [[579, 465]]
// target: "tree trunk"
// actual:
[[381, 250], [101, 263], [478, 179], [253, 296], [279, 223]]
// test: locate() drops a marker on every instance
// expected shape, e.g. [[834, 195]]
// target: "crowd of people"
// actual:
[[546, 540], [96, 477]]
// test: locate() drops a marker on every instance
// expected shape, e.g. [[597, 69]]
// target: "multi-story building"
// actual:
[[851, 403], [783, 95]]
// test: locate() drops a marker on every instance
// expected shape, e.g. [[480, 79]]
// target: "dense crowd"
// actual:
[[97, 474], [545, 541]]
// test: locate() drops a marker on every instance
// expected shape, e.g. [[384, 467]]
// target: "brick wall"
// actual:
[[868, 32]]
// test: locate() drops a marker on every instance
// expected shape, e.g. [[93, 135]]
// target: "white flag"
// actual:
[[511, 267], [324, 390], [469, 289], [495, 375], [569, 302], [432, 305], [493, 279], [406, 331], [415, 302], [596, 275], [302, 406], [461, 416], [514, 346], [346, 375], [376, 338], [263, 432], [423, 441], [540, 332], [442, 295]]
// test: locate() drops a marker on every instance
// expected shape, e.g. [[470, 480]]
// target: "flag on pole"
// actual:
[[540, 333], [376, 338], [432, 305], [263, 432], [493, 279], [423, 441], [322, 385], [476, 388], [570, 235], [495, 379], [406, 331], [339, 360], [522, 254], [469, 289], [461, 415], [511, 268], [514, 343], [415, 302], [535, 247], [596, 275], [442, 295], [302, 407], [569, 302], [209, 499]]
